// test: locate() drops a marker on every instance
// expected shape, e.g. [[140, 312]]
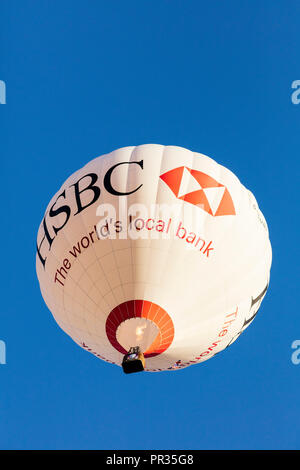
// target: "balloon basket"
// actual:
[[133, 361]]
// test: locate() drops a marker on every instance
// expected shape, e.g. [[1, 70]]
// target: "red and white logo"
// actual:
[[199, 189]]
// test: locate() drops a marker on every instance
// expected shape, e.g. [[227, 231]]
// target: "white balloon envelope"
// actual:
[[153, 246]]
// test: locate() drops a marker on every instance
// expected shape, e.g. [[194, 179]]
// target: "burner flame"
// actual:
[[140, 332]]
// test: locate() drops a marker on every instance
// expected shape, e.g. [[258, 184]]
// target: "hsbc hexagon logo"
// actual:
[[199, 189]]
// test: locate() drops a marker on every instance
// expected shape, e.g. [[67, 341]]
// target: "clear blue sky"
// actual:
[[84, 78]]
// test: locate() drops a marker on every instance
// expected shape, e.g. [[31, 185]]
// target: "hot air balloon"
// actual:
[[153, 257]]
